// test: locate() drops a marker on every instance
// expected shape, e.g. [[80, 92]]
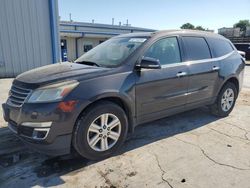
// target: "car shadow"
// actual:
[[42, 167]]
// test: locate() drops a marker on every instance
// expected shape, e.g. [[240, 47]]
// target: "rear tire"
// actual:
[[100, 131], [225, 101]]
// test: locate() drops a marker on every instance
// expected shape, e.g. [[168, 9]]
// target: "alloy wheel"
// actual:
[[104, 132], [227, 100]]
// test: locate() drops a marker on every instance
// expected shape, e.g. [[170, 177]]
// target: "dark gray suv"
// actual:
[[90, 105]]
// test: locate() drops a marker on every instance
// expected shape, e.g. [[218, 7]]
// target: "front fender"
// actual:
[[119, 86], [127, 101]]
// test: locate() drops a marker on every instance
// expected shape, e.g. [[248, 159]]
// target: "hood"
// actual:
[[59, 71]]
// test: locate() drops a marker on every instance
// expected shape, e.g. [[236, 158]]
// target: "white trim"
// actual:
[[199, 61], [210, 60], [37, 124], [34, 136]]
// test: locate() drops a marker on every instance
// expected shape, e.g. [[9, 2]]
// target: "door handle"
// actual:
[[215, 68], [180, 74]]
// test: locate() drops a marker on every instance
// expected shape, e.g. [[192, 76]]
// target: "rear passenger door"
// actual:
[[203, 71]]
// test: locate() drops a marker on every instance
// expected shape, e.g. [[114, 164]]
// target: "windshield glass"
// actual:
[[112, 52]]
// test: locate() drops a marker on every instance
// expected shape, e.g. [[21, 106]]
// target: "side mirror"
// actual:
[[149, 63]]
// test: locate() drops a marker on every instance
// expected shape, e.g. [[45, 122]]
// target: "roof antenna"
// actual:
[[93, 21], [113, 21]]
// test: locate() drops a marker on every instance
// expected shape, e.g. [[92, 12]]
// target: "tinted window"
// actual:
[[196, 48], [166, 50], [220, 47]]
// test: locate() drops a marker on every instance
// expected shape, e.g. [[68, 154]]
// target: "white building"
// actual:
[[229, 32], [78, 37]]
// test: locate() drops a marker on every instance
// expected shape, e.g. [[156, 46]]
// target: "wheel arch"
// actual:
[[234, 80], [117, 99]]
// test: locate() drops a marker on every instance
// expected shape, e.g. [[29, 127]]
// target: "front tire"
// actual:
[[225, 101], [100, 131]]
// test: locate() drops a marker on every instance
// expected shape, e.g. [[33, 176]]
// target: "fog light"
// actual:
[[40, 133], [37, 124]]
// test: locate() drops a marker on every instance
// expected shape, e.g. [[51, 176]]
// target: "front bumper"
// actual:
[[60, 146], [53, 140]]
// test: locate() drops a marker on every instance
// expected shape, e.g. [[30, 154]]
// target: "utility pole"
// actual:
[[70, 18]]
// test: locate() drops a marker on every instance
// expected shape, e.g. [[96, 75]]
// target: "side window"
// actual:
[[165, 50], [220, 47], [196, 48]]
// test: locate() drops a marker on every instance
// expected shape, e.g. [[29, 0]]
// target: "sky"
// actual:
[[157, 14]]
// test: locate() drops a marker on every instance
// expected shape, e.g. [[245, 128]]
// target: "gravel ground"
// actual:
[[191, 149]]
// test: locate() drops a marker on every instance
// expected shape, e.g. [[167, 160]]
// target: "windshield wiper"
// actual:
[[88, 63]]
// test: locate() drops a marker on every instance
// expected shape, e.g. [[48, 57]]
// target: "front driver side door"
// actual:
[[160, 92]]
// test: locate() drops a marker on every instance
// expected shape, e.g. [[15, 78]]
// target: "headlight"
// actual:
[[52, 93]]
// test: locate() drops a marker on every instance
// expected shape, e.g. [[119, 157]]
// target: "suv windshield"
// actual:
[[112, 52]]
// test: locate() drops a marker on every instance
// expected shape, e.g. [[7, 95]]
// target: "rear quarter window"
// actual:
[[220, 47], [196, 48]]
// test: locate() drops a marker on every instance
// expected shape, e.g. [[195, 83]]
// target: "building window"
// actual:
[[87, 47]]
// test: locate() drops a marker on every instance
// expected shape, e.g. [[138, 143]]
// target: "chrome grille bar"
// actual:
[[18, 95]]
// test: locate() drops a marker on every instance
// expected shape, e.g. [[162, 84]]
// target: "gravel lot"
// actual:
[[191, 149]]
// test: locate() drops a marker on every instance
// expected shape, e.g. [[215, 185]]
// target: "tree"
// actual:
[[200, 28], [187, 26], [242, 24], [191, 26]]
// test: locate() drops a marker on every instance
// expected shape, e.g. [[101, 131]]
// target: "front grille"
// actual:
[[18, 95]]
